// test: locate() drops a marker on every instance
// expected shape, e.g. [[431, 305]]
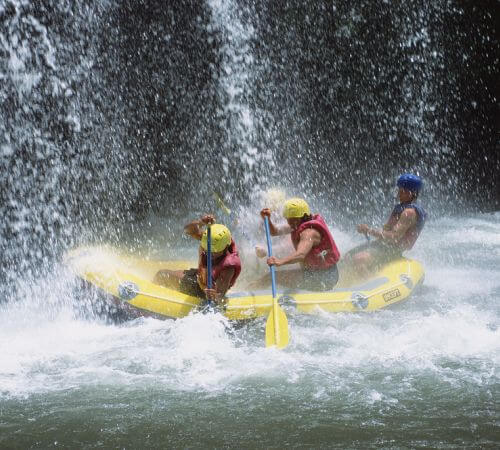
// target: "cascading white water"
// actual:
[[238, 72], [62, 138]]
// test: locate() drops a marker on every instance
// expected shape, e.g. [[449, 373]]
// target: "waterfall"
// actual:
[[244, 122], [61, 138], [113, 110]]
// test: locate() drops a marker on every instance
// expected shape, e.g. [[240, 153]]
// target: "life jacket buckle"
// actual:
[[322, 254]]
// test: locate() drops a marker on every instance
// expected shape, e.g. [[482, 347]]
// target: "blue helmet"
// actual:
[[410, 182]]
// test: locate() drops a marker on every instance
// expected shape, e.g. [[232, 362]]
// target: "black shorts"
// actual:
[[320, 280], [381, 252], [189, 284]]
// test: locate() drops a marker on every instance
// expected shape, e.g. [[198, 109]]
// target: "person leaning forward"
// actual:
[[399, 233], [226, 264], [315, 248]]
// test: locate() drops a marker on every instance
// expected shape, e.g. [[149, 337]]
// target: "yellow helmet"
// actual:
[[221, 238], [295, 208]]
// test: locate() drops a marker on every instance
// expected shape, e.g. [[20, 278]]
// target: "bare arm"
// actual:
[[407, 219], [224, 282], [281, 230], [222, 286], [194, 228], [308, 239], [202, 271], [273, 229]]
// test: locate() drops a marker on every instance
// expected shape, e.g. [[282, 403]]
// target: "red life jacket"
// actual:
[[229, 259], [410, 237], [323, 255]]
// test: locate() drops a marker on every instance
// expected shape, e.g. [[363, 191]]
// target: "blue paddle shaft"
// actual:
[[209, 258], [269, 254]]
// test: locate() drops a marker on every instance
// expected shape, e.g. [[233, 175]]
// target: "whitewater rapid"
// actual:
[[46, 346]]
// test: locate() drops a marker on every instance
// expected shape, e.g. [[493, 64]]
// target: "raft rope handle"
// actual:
[[315, 302], [299, 302], [158, 298]]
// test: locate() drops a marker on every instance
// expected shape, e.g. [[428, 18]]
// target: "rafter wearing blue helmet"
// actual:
[[399, 233]]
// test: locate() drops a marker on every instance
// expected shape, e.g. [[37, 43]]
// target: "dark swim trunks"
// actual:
[[320, 280], [189, 284], [381, 252]]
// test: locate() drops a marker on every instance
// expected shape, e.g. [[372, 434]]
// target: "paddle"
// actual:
[[232, 217], [209, 261], [277, 323], [221, 205]]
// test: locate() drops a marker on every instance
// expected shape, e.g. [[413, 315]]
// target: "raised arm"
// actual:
[[195, 228], [273, 229]]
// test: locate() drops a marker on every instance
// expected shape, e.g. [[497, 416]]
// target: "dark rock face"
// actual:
[[113, 109], [360, 92], [382, 87]]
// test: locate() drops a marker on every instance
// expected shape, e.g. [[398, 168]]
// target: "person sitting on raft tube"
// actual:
[[315, 248], [226, 264], [399, 233]]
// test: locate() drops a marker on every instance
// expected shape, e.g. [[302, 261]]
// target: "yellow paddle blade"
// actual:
[[277, 327], [221, 204]]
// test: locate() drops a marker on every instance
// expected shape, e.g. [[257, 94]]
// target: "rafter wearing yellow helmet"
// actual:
[[226, 264], [315, 248]]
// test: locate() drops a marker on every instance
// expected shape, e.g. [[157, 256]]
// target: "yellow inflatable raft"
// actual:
[[127, 281]]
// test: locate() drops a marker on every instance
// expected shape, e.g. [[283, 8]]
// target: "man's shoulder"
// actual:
[[310, 231], [409, 214]]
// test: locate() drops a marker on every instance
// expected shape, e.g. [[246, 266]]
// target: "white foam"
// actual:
[[449, 330]]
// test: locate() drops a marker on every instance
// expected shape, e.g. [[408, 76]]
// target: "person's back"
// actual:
[[325, 253], [416, 218]]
